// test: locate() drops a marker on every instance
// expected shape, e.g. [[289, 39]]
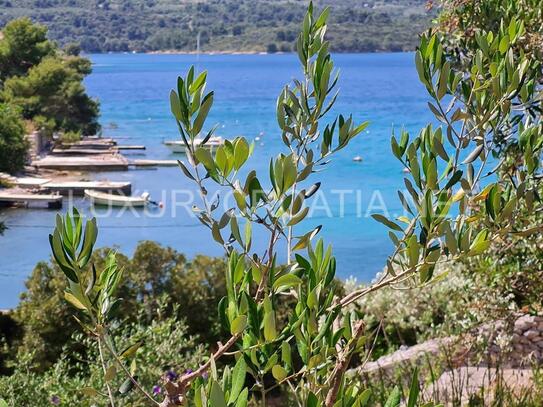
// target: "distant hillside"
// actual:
[[224, 25]]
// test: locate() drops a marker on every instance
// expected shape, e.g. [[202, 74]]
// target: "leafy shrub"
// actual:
[[461, 21], [158, 276], [513, 267], [166, 349], [70, 137], [456, 303], [45, 125]]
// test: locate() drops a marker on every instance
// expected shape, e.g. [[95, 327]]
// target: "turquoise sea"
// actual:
[[133, 91]]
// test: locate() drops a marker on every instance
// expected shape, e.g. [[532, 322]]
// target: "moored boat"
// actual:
[[178, 146], [103, 198]]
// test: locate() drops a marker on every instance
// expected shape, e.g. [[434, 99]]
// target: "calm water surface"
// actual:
[[133, 92]]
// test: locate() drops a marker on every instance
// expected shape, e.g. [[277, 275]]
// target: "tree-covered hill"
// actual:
[[223, 25]]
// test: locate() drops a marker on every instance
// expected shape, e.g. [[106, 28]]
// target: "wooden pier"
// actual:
[[8, 197]]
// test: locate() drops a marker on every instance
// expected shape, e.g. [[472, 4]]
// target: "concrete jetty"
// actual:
[[154, 163], [77, 188], [6, 178], [8, 197], [97, 162], [129, 147], [77, 151], [30, 182], [92, 143]]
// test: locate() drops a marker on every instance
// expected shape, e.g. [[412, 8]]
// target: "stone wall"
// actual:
[[515, 344], [502, 353]]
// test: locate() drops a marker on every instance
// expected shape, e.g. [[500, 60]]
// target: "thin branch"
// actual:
[[186, 379], [109, 392], [342, 363], [176, 391], [129, 375]]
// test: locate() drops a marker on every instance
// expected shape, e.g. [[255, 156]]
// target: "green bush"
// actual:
[[70, 137], [157, 276], [167, 348], [13, 145], [454, 304], [461, 21], [513, 267]]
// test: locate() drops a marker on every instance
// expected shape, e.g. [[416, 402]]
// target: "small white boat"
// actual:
[[178, 146], [103, 198]]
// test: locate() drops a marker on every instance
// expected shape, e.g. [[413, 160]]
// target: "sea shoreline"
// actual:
[[183, 52]]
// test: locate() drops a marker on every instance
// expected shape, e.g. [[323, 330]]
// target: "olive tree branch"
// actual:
[[128, 374], [342, 363], [110, 394]]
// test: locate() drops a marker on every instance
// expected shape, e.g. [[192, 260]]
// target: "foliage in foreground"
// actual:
[[456, 208], [166, 350], [461, 22], [398, 317], [155, 277]]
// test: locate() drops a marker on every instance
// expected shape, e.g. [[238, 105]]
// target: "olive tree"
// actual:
[[450, 187]]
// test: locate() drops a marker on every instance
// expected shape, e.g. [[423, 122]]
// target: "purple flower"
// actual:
[[204, 376], [188, 371], [156, 390], [55, 400], [171, 375]]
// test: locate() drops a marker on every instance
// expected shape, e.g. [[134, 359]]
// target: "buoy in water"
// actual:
[[357, 158], [257, 138]]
